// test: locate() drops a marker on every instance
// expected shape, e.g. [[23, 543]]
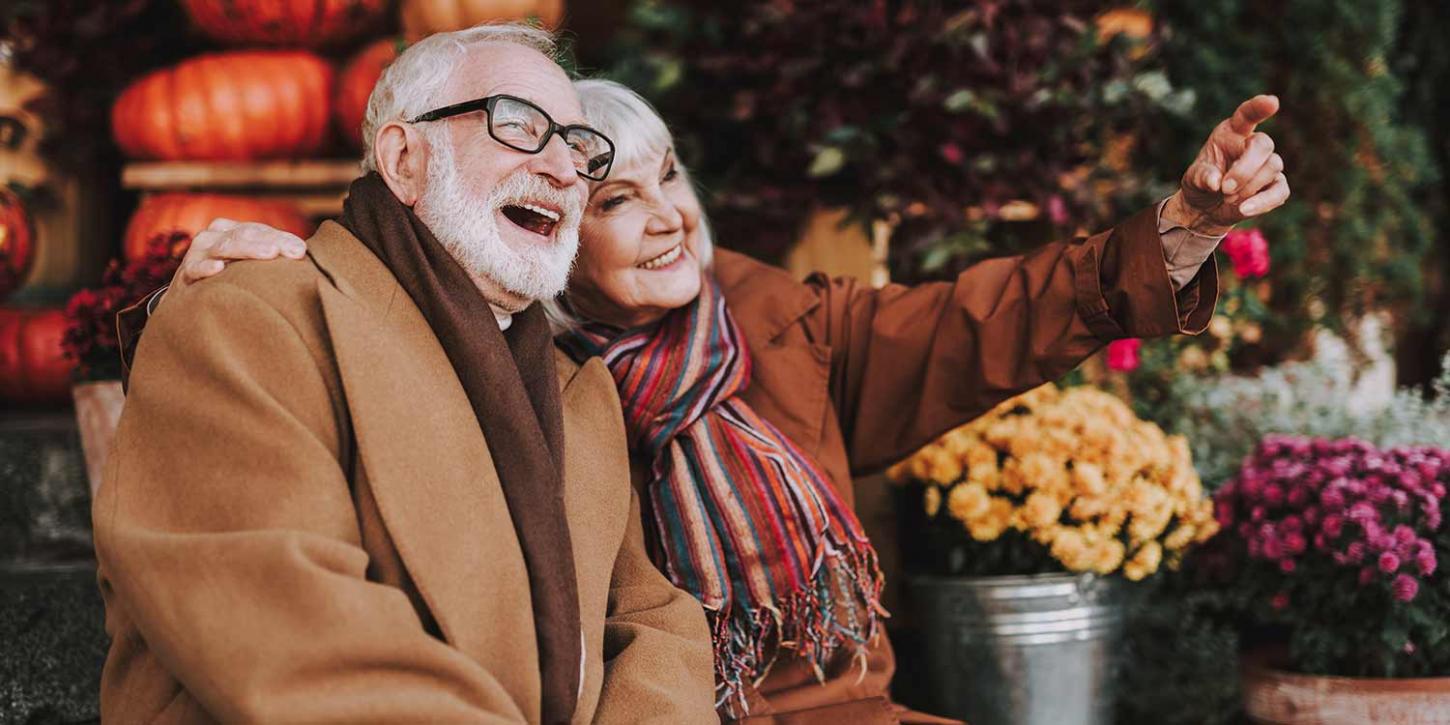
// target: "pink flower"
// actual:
[[1248, 250], [1273, 548], [1286, 565], [1057, 210], [1273, 494], [1389, 563], [1425, 562], [1333, 524], [1280, 601], [1405, 534], [1224, 513], [1366, 575], [1405, 587], [1123, 354], [1294, 543], [1355, 552], [952, 153]]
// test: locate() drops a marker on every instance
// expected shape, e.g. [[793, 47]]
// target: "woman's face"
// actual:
[[638, 245]]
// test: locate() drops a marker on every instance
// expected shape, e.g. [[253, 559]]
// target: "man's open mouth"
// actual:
[[532, 217]]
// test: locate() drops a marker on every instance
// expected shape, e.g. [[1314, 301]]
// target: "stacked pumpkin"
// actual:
[[32, 368]]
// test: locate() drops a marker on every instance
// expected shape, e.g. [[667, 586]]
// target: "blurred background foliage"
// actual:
[[983, 128]]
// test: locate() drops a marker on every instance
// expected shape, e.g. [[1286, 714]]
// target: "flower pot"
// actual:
[[98, 410], [1287, 698], [1021, 650]]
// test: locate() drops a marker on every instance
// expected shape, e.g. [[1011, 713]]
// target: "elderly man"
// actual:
[[363, 485]]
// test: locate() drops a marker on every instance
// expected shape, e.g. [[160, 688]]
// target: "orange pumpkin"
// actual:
[[425, 17], [191, 213], [355, 83], [17, 242], [227, 107], [33, 367], [293, 23]]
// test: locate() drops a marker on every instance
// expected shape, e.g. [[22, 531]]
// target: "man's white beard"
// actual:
[[468, 227]]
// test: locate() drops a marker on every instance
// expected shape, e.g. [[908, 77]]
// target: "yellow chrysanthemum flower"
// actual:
[[968, 501], [1075, 471], [932, 500], [1041, 509], [1144, 562]]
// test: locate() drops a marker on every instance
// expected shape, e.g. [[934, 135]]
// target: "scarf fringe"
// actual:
[[838, 610]]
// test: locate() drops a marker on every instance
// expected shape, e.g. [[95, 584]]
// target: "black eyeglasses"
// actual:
[[522, 126]]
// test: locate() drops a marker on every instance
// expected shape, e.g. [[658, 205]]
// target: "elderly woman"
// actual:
[[752, 399]]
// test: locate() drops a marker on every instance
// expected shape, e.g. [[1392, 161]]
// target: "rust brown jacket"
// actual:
[[301, 522], [863, 377]]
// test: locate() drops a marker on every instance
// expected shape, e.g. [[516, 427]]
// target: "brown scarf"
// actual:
[[511, 382]]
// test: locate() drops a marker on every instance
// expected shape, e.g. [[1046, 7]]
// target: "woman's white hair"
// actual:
[[640, 136], [414, 83]]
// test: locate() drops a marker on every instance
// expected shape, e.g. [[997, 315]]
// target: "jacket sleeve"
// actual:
[[909, 363], [658, 661], [228, 542]]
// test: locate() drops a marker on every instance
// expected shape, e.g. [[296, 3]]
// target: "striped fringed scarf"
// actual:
[[743, 518]]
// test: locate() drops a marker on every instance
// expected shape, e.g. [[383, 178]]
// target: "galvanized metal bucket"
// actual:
[[1021, 650]]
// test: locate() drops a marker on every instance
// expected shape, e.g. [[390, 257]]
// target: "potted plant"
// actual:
[[1337, 544], [1025, 523], [91, 341]]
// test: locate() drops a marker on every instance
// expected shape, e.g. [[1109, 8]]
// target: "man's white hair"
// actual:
[[640, 136], [413, 83]]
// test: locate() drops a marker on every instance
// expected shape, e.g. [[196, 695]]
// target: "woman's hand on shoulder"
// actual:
[[225, 241]]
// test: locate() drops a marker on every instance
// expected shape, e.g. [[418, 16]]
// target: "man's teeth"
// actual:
[[549, 214], [664, 260]]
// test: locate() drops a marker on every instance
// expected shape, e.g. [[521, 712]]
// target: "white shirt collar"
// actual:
[[504, 317]]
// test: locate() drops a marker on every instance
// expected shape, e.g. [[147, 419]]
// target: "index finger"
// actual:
[[1253, 112]]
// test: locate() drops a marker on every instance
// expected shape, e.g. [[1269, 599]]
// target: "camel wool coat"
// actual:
[[301, 522], [863, 377]]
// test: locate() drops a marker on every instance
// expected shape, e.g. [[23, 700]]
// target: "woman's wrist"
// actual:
[[1180, 214]]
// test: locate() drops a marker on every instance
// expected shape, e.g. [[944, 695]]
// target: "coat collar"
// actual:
[[765, 300]]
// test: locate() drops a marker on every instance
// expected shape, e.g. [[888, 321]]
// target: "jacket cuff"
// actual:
[[1123, 287]]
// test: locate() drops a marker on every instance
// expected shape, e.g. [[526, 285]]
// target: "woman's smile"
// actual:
[[664, 260]]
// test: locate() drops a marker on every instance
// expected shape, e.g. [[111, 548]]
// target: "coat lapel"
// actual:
[[428, 465]]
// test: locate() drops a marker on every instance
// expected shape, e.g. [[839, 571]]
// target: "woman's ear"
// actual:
[[401, 157]]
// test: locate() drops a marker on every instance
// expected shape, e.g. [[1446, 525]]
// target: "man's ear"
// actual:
[[401, 156]]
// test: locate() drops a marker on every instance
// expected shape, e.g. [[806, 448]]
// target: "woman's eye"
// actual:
[[671, 174], [612, 202]]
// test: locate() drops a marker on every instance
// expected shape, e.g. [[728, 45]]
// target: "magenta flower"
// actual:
[[1333, 524], [1389, 563], [1286, 565], [1366, 575], [1123, 355], [1280, 601], [952, 153], [1248, 250], [1425, 561], [1405, 587], [1273, 494]]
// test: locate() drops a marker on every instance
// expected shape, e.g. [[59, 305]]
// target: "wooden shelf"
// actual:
[[192, 175], [316, 187]]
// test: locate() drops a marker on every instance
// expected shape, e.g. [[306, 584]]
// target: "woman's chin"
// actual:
[[674, 287]]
